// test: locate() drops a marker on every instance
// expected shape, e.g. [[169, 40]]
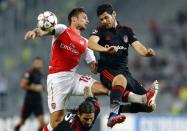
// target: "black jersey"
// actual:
[[121, 37], [34, 77], [71, 121]]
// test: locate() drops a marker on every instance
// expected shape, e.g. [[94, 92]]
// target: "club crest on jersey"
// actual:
[[125, 38], [81, 42], [53, 105], [94, 31]]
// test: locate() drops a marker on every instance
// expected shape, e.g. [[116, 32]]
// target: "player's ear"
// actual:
[[78, 114], [73, 19], [114, 14]]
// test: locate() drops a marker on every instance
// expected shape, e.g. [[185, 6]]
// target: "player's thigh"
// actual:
[[38, 109], [56, 117], [133, 85], [59, 90], [80, 82]]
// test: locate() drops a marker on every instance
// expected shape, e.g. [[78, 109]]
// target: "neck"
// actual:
[[75, 29], [115, 24]]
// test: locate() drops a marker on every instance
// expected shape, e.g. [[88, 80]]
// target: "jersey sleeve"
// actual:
[[96, 31], [89, 56], [59, 28], [131, 36]]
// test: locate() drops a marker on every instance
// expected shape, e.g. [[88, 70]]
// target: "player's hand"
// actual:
[[150, 52], [112, 49], [30, 35], [93, 67]]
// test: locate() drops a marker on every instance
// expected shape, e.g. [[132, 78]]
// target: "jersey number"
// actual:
[[84, 78]]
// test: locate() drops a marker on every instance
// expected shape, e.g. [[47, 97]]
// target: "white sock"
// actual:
[[136, 98]]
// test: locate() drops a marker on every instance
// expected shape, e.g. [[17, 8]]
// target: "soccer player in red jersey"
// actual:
[[67, 47]]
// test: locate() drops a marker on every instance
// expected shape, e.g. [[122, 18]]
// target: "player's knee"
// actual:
[[149, 109], [56, 118], [120, 80], [97, 89]]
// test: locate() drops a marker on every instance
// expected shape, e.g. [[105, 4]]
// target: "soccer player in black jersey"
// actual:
[[112, 40], [84, 117], [32, 83]]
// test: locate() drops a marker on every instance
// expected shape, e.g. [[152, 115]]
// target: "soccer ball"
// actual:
[[46, 20]]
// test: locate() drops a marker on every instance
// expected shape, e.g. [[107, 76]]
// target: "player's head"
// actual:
[[107, 15], [78, 17], [86, 113], [37, 63]]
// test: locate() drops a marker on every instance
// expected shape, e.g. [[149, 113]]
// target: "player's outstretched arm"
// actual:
[[142, 50], [37, 32], [93, 44]]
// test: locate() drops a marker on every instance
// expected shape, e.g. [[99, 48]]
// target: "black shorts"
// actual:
[[29, 108], [107, 75]]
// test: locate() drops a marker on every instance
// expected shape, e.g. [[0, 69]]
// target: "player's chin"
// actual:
[[83, 28]]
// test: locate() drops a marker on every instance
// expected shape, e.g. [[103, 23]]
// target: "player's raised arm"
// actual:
[[37, 32], [93, 44], [46, 23], [142, 50], [90, 60]]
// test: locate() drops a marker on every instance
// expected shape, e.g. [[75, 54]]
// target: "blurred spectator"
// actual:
[[3, 91], [156, 33], [181, 17]]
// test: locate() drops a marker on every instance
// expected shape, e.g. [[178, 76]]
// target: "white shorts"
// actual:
[[60, 86]]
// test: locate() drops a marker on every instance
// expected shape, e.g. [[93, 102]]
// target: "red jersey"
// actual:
[[67, 48]]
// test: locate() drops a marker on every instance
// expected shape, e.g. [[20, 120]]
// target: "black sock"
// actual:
[[116, 98]]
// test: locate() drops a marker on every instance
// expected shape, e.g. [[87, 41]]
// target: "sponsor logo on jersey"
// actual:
[[70, 48], [94, 31], [118, 47]]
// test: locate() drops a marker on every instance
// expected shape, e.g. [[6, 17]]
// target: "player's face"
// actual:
[[82, 21], [87, 119], [108, 20], [37, 64]]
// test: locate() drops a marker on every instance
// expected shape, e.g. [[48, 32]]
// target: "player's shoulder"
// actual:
[[99, 28], [28, 73], [60, 26], [124, 26]]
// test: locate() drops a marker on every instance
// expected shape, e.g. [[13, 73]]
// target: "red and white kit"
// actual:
[[63, 81]]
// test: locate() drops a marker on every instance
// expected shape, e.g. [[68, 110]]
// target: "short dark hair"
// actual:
[[104, 8], [86, 107], [75, 12], [37, 58]]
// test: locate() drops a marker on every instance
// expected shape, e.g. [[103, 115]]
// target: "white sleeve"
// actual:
[[89, 56], [59, 28]]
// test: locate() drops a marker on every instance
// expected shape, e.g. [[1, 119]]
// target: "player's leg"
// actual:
[[41, 122], [117, 83], [82, 81], [25, 113], [39, 113], [58, 88], [99, 89], [118, 87], [135, 93]]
